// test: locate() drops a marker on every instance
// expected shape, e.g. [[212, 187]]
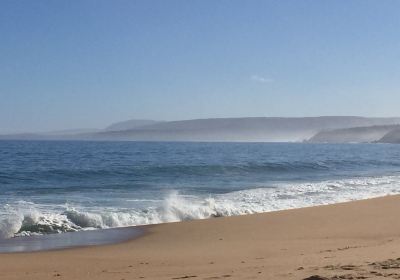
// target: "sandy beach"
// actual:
[[355, 240]]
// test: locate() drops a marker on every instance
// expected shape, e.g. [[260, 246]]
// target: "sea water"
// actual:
[[54, 187]]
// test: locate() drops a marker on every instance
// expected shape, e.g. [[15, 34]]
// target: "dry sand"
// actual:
[[356, 240]]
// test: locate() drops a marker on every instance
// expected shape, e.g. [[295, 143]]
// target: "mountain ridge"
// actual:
[[250, 129], [364, 134]]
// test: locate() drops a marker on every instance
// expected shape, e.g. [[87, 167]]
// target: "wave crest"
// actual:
[[26, 218]]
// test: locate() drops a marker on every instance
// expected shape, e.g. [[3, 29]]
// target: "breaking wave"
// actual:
[[24, 218]]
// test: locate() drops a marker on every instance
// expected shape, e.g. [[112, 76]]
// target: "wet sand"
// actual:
[[355, 240], [69, 240]]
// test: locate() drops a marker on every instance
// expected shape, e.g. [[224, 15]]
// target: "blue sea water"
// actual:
[[55, 186]]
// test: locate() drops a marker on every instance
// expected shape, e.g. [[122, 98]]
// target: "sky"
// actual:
[[88, 63]]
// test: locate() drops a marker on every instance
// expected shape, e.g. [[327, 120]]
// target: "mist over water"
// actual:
[[54, 187]]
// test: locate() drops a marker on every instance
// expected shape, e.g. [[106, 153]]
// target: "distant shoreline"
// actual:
[[332, 129]]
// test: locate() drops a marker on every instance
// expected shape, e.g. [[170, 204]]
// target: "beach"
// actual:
[[353, 240], [212, 140]]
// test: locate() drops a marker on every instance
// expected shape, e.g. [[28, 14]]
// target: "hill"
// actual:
[[255, 129], [353, 135], [391, 137], [130, 124], [241, 129]]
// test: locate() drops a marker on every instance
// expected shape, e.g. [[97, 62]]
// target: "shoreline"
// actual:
[[351, 238], [117, 235], [69, 240], [111, 236]]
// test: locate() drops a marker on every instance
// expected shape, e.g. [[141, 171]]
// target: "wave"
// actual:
[[24, 218], [195, 169]]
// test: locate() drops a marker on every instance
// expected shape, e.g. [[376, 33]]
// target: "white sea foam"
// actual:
[[24, 218]]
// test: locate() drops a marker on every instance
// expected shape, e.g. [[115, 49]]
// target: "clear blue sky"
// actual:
[[71, 64]]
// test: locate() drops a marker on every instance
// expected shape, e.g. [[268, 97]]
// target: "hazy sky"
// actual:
[[71, 64]]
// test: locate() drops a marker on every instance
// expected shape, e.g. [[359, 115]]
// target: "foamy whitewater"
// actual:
[[55, 187]]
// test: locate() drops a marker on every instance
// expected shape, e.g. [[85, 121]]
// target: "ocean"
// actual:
[[55, 187]]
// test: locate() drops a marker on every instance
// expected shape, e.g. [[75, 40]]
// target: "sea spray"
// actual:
[[10, 226]]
